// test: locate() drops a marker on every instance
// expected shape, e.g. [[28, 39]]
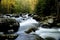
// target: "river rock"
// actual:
[[49, 38], [36, 17], [33, 29], [8, 25]]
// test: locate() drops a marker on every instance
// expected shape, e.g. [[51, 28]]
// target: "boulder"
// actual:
[[8, 25], [33, 29], [36, 17]]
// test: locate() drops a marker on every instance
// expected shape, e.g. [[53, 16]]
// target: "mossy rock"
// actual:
[[8, 25]]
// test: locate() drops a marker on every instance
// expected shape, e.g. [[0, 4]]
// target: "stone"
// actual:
[[33, 29], [49, 38], [36, 17], [8, 24]]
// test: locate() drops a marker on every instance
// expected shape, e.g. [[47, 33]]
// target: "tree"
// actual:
[[40, 7], [7, 6], [25, 5], [0, 0], [46, 7], [50, 7]]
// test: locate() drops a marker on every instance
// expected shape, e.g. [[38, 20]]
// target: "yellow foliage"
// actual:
[[32, 4], [21, 3], [7, 4]]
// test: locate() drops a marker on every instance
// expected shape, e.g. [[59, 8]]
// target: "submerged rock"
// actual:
[[28, 37], [50, 38]]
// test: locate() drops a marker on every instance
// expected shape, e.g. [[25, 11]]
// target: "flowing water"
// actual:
[[43, 32], [28, 22]]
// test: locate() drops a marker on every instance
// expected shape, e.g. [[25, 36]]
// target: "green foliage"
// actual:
[[50, 7], [7, 6], [40, 7], [19, 7], [14, 6], [45, 7]]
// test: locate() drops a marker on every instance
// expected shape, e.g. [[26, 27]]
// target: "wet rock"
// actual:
[[29, 14], [50, 38], [45, 26], [15, 15], [1, 16], [36, 17], [8, 25], [49, 22], [31, 29], [21, 15]]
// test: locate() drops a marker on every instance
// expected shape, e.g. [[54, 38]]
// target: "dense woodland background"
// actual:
[[39, 7]]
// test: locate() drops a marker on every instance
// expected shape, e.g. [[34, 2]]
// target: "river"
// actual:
[[43, 32], [28, 22]]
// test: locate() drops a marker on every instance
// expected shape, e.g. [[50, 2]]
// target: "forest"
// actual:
[[42, 8], [39, 7]]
